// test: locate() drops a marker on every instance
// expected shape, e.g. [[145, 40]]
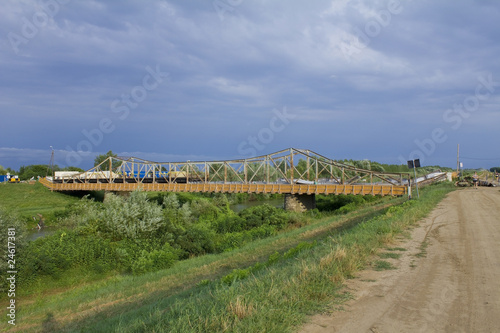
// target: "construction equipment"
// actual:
[[14, 179]]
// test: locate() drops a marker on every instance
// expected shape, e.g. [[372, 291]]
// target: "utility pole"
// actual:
[[51, 166], [458, 158]]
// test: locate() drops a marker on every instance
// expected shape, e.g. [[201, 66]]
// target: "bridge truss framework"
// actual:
[[290, 171]]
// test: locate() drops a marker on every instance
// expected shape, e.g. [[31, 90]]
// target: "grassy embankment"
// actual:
[[268, 285], [27, 200]]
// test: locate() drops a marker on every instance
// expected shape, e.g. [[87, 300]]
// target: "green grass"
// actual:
[[423, 249], [381, 265], [191, 297], [396, 249], [26, 200], [387, 255]]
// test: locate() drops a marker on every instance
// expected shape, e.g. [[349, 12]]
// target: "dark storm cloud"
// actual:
[[363, 79]]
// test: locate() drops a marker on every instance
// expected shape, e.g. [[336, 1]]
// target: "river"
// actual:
[[35, 233]]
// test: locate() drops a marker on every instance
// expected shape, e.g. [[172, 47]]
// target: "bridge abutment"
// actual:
[[300, 202]]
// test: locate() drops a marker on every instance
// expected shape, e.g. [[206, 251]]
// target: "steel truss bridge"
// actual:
[[290, 171]]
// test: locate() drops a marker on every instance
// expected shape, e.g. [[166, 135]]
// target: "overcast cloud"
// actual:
[[193, 80]]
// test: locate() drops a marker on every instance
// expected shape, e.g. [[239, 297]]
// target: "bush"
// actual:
[[229, 223], [203, 208], [53, 255], [264, 215], [229, 241], [197, 239], [133, 217], [154, 260], [234, 240]]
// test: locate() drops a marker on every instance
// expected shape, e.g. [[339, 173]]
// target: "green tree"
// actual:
[[72, 168], [256, 172], [101, 158], [4, 171], [35, 170]]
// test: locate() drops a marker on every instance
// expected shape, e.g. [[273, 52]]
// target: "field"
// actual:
[[270, 284]]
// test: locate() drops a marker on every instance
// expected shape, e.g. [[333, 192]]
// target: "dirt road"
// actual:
[[448, 280]]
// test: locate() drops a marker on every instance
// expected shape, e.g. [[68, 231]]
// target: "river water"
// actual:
[[34, 234]]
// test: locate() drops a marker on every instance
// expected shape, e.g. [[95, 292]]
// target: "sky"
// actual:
[[171, 81]]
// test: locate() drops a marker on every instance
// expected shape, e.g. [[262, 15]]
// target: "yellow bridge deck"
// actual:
[[368, 189]]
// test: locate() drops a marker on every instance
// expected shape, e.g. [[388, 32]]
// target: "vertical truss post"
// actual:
[[225, 172], [206, 172], [267, 168], [291, 166], [245, 170], [316, 172], [308, 171], [110, 164], [123, 172], [169, 173]]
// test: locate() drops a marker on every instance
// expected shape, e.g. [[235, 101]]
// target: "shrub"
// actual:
[[154, 260], [233, 240], [197, 239], [54, 254], [205, 209], [133, 217], [229, 241], [229, 223], [264, 215]]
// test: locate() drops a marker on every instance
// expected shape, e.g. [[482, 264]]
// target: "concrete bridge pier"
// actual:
[[300, 202]]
